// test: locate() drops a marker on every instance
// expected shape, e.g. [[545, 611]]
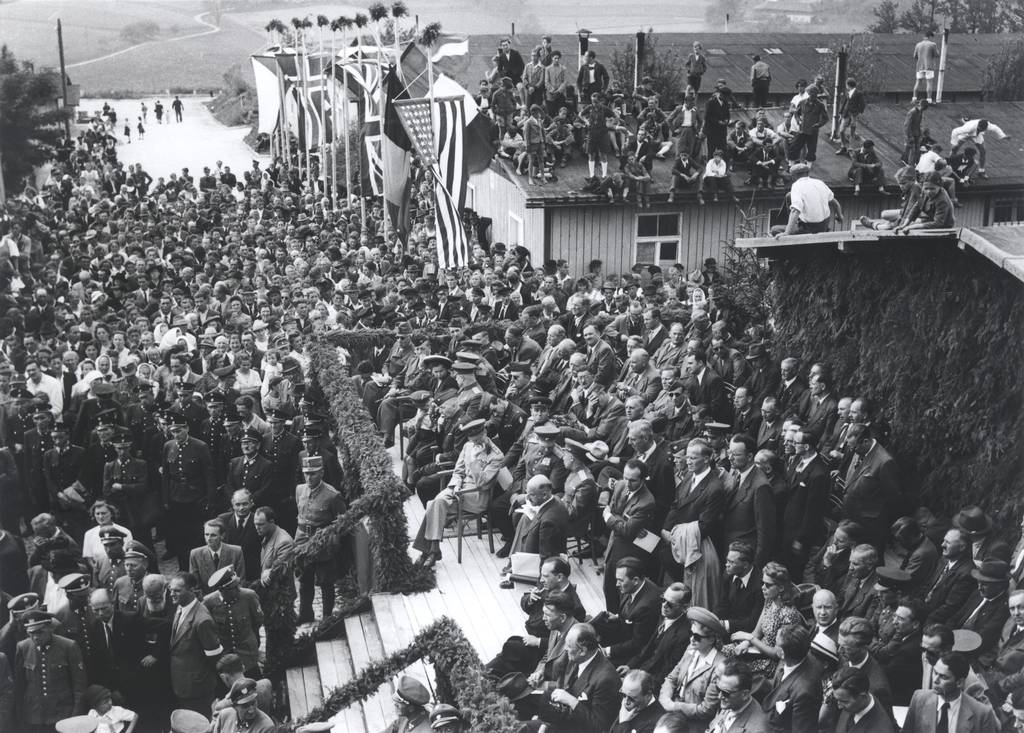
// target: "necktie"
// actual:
[[737, 585], [177, 620], [943, 725], [107, 635], [216, 560], [574, 675]]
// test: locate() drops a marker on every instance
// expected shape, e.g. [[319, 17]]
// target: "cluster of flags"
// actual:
[[451, 136]]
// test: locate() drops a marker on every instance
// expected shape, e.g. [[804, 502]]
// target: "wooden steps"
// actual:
[[365, 646], [334, 662], [304, 691]]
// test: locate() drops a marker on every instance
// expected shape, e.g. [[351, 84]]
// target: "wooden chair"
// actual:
[[462, 516]]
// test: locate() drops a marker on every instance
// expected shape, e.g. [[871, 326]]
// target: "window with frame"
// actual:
[[1007, 211], [657, 239]]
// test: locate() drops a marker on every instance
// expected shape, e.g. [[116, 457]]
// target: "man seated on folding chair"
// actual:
[[475, 470], [542, 528]]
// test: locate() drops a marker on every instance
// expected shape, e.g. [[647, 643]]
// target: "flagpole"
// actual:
[[335, 25], [297, 24], [306, 25], [321, 21], [377, 14], [345, 23], [427, 39], [360, 21]]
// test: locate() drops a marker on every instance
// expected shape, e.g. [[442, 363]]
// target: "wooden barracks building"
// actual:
[[557, 221]]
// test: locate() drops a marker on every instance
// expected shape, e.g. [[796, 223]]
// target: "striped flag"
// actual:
[[450, 179], [441, 148]]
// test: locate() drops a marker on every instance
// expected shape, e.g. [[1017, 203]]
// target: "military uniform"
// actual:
[[48, 681], [238, 625], [188, 483], [128, 595], [132, 474], [255, 475], [227, 722], [318, 507]]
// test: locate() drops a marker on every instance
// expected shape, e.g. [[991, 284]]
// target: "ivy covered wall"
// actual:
[[936, 337]]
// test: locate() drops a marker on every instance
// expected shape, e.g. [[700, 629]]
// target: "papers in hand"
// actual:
[[646, 541]]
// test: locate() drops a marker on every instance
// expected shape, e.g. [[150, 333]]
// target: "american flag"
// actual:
[[441, 147]]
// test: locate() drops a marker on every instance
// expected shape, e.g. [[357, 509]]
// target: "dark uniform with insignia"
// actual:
[[188, 486], [237, 613], [49, 679], [318, 506]]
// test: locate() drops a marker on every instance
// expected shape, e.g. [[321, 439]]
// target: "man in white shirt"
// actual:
[[38, 381], [974, 131], [811, 204], [716, 179]]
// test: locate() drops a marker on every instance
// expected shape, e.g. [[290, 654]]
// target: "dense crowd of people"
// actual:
[[546, 117], [765, 565]]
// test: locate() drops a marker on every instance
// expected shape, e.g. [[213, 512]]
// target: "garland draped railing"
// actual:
[[458, 675], [375, 495]]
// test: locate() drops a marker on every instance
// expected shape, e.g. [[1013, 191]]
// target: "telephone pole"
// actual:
[[63, 80]]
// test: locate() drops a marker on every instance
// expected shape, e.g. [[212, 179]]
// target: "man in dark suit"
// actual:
[[577, 318], [665, 648], [769, 432], [601, 415], [215, 554], [763, 378], [1006, 672], [791, 387], [61, 466], [746, 417], [985, 542], [520, 347], [929, 709], [194, 647], [544, 525], [115, 645], [855, 636], [793, 703], [640, 709], [584, 700], [872, 484], [740, 602], [952, 584], [660, 471], [859, 589], [919, 554], [859, 710], [749, 504], [627, 629], [737, 704], [240, 530], [803, 520], [704, 387], [986, 610], [819, 409], [630, 512], [700, 497], [600, 356], [900, 655]]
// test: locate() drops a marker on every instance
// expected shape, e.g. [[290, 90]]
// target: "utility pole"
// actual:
[[63, 79]]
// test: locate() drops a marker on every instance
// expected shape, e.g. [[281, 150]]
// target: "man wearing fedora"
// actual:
[[986, 544], [986, 610]]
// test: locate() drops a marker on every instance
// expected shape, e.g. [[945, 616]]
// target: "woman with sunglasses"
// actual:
[[691, 688]]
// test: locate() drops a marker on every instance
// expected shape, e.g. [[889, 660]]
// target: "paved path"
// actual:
[[198, 18], [199, 140]]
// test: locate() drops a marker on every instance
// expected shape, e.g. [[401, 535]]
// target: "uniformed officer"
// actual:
[[188, 488], [237, 613], [110, 567], [124, 482], [447, 718], [319, 504], [243, 716], [410, 698], [282, 448], [76, 617], [14, 630], [127, 592], [250, 471], [476, 468], [539, 458], [213, 433], [49, 675]]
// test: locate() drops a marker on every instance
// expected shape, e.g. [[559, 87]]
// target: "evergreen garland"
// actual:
[[459, 677]]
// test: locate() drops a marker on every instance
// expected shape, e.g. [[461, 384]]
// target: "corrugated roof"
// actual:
[[968, 55]]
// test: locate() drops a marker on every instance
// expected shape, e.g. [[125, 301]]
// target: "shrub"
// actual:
[[140, 31]]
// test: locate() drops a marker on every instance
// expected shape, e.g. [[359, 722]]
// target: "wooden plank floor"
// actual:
[[334, 663], [358, 630]]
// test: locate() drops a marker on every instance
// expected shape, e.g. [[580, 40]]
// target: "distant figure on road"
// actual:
[[158, 110], [927, 55], [177, 106], [142, 129], [145, 113]]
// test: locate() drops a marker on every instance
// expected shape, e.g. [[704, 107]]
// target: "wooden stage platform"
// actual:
[[468, 593]]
